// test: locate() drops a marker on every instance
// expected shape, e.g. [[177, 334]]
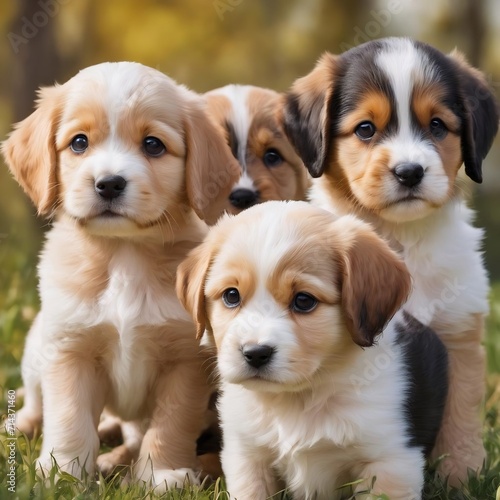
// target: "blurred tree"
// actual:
[[36, 57]]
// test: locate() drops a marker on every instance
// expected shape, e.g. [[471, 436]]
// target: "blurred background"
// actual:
[[205, 44]]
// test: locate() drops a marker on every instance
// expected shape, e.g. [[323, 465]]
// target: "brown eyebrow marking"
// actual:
[[374, 106], [427, 103]]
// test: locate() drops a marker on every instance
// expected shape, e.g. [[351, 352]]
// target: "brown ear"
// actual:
[[480, 115], [30, 151], [374, 281], [190, 285], [306, 115], [211, 169]]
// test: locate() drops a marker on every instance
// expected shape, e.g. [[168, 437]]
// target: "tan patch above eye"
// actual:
[[374, 107], [427, 104], [90, 119], [235, 274]]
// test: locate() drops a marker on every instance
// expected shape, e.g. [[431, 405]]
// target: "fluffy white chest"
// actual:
[[132, 326], [136, 295], [320, 442], [450, 284]]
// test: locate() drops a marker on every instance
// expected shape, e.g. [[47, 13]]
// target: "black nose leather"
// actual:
[[243, 198], [257, 355], [110, 187], [409, 174]]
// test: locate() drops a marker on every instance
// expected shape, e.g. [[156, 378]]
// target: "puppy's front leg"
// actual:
[[248, 472], [168, 452], [460, 436], [29, 418], [73, 401]]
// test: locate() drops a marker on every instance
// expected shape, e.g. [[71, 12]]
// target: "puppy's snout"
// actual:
[[409, 174], [257, 355], [110, 187], [243, 198]]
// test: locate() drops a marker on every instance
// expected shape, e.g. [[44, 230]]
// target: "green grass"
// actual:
[[17, 310]]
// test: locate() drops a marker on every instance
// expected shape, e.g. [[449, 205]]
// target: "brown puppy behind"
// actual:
[[270, 169]]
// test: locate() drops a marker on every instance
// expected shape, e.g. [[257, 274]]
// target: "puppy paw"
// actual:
[[120, 457], [73, 466], [165, 479]]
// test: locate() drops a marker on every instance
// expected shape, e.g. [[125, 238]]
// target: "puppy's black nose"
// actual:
[[409, 174], [243, 198], [110, 187], [257, 355]]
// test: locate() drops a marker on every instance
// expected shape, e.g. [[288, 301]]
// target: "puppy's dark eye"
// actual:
[[365, 130], [272, 158], [304, 303], [231, 297], [79, 143], [438, 129], [153, 146]]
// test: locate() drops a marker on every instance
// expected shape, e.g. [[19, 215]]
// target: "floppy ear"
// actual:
[[306, 115], [211, 169], [30, 151], [480, 115], [374, 281], [190, 285]]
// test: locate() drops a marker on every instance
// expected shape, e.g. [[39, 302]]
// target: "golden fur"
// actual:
[[111, 331]]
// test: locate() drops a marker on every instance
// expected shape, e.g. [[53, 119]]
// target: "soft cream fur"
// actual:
[[111, 331], [303, 423], [434, 232]]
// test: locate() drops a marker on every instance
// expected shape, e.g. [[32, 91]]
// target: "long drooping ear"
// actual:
[[211, 169], [190, 285], [30, 151], [374, 281], [306, 114], [480, 114]]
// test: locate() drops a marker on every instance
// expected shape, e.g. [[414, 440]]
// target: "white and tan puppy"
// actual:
[[311, 396], [386, 127], [126, 162], [249, 117]]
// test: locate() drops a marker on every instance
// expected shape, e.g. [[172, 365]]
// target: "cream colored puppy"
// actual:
[[126, 162], [312, 396]]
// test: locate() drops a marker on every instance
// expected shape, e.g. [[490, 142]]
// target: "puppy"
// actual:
[[294, 299], [127, 163], [387, 125], [270, 169]]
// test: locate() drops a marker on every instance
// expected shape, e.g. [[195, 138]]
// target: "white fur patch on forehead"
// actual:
[[240, 117], [404, 66], [124, 86], [275, 225]]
